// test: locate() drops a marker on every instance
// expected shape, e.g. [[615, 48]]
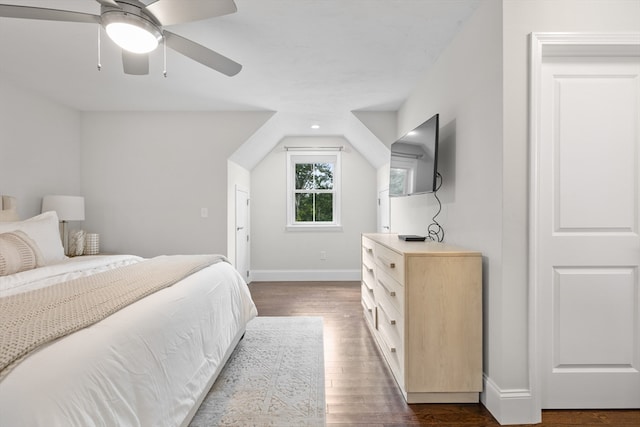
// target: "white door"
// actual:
[[383, 212], [242, 233], [587, 222]]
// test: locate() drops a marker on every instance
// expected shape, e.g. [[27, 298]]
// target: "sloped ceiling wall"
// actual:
[[369, 132]]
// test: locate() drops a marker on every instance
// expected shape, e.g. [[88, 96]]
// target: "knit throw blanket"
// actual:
[[31, 319]]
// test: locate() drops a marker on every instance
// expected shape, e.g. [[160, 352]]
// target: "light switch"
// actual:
[[204, 212]]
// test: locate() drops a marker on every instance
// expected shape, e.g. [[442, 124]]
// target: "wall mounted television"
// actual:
[[414, 160]]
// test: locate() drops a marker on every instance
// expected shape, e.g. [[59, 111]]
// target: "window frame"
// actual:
[[410, 166], [312, 156]]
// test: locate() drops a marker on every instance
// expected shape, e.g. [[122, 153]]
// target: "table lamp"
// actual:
[[68, 208]]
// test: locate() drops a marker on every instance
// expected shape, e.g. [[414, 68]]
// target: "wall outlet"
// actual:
[[204, 212], [323, 255]]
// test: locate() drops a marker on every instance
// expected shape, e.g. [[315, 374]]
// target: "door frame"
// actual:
[[546, 45], [247, 226], [383, 201]]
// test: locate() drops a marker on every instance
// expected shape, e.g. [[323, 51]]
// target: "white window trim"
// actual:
[[337, 175], [410, 166]]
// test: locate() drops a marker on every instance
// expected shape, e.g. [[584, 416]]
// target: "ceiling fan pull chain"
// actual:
[[164, 54], [99, 62]]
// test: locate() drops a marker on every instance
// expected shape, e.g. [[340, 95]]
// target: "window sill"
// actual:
[[313, 228]]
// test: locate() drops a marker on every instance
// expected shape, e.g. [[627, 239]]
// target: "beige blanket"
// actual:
[[31, 319]]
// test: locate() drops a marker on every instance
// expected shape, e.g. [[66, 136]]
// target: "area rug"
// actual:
[[275, 377]]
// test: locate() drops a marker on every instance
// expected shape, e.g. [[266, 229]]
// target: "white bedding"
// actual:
[[146, 365]]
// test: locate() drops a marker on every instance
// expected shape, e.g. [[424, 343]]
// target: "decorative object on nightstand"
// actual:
[[68, 208], [8, 211], [92, 244], [76, 242]]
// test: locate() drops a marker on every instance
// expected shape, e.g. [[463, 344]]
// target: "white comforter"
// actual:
[[146, 365]]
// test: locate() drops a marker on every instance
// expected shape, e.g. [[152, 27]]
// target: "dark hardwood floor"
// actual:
[[360, 389]]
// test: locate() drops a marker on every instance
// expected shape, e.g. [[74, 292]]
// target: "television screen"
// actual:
[[414, 160]]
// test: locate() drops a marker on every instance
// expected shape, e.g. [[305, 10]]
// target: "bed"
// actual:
[[150, 363]]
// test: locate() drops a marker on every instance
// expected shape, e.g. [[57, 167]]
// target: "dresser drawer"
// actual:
[[392, 353], [392, 323], [368, 261], [368, 306], [390, 262], [368, 276], [368, 248], [390, 290]]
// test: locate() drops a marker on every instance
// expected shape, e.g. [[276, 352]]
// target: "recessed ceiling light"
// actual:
[[315, 126]]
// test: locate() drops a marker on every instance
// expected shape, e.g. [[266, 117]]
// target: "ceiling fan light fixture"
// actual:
[[132, 33]]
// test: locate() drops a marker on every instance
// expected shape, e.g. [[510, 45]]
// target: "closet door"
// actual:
[[588, 223]]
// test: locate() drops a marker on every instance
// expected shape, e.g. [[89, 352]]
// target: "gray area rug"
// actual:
[[275, 377]]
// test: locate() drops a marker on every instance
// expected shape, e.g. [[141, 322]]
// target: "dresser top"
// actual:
[[426, 248]]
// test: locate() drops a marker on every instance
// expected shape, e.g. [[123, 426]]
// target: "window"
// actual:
[[402, 176], [313, 189]]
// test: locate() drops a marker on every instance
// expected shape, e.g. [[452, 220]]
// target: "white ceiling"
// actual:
[[311, 61]]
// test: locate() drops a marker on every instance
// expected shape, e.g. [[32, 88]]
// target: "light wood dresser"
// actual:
[[423, 304]]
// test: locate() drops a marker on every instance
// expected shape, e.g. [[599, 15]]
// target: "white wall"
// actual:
[[39, 148], [465, 88], [146, 177], [277, 254], [383, 124]]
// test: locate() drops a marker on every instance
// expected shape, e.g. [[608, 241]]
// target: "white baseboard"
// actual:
[[304, 275], [511, 406]]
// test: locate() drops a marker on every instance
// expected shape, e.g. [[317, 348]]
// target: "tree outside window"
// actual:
[[313, 189], [314, 192]]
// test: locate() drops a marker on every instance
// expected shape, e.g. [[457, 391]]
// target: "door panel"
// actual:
[[595, 151], [588, 247], [589, 302]]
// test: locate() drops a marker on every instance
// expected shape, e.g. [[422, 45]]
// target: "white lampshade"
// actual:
[[68, 208]]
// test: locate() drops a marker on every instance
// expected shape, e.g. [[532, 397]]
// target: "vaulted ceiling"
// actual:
[[308, 61]]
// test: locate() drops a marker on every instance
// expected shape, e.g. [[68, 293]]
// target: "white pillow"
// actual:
[[18, 252], [44, 230]]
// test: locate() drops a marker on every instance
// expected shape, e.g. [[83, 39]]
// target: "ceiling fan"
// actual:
[[138, 28]]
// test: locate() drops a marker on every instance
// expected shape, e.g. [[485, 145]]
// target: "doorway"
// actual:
[[242, 233], [383, 212]]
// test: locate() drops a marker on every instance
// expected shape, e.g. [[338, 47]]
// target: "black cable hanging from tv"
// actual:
[[435, 232]]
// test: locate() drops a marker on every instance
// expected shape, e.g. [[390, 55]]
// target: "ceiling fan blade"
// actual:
[[170, 12], [136, 64], [27, 12], [111, 3], [202, 54]]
